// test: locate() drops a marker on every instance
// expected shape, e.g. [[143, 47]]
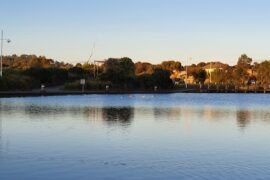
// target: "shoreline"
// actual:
[[7, 94]]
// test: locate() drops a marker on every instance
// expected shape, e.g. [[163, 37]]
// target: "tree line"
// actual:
[[27, 72]]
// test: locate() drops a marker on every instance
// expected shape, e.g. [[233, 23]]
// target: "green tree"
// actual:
[[145, 82], [199, 75], [264, 73], [244, 61], [241, 70], [202, 76], [171, 65], [119, 71], [162, 79], [127, 68]]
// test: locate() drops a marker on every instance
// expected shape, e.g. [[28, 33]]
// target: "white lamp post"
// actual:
[[1, 55]]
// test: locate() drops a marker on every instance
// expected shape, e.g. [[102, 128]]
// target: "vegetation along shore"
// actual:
[[36, 75]]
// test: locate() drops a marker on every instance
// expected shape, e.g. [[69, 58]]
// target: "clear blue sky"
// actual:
[[146, 30]]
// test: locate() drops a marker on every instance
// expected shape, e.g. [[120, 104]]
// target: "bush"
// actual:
[[48, 76], [144, 82], [16, 82], [3, 84], [162, 78]]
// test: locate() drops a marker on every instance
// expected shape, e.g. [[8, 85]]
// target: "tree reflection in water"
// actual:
[[0, 133], [110, 115], [243, 118], [171, 114], [123, 115]]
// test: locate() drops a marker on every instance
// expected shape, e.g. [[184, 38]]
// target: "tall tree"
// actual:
[[199, 75], [202, 76], [118, 71], [242, 67], [264, 73], [162, 79]]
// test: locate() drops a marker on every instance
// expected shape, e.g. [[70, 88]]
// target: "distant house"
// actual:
[[211, 67], [180, 77]]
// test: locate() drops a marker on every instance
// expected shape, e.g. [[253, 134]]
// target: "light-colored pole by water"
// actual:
[[94, 70], [1, 53], [187, 74], [1, 63]]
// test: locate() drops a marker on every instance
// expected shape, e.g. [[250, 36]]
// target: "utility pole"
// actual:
[[187, 74], [96, 64], [210, 72], [1, 63], [1, 52]]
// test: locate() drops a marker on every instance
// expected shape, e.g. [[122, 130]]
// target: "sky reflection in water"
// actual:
[[188, 136]]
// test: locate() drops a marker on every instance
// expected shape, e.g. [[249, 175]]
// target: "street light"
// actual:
[[1, 55]]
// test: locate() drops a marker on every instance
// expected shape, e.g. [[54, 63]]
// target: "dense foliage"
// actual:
[[27, 72]]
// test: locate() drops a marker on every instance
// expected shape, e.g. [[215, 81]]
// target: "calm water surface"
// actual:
[[177, 136]]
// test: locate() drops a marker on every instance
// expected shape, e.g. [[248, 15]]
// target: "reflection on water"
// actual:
[[110, 115], [243, 118], [114, 116], [124, 115], [167, 114], [0, 133], [164, 137]]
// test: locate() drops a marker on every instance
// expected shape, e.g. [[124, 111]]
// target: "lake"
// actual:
[[161, 136]]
